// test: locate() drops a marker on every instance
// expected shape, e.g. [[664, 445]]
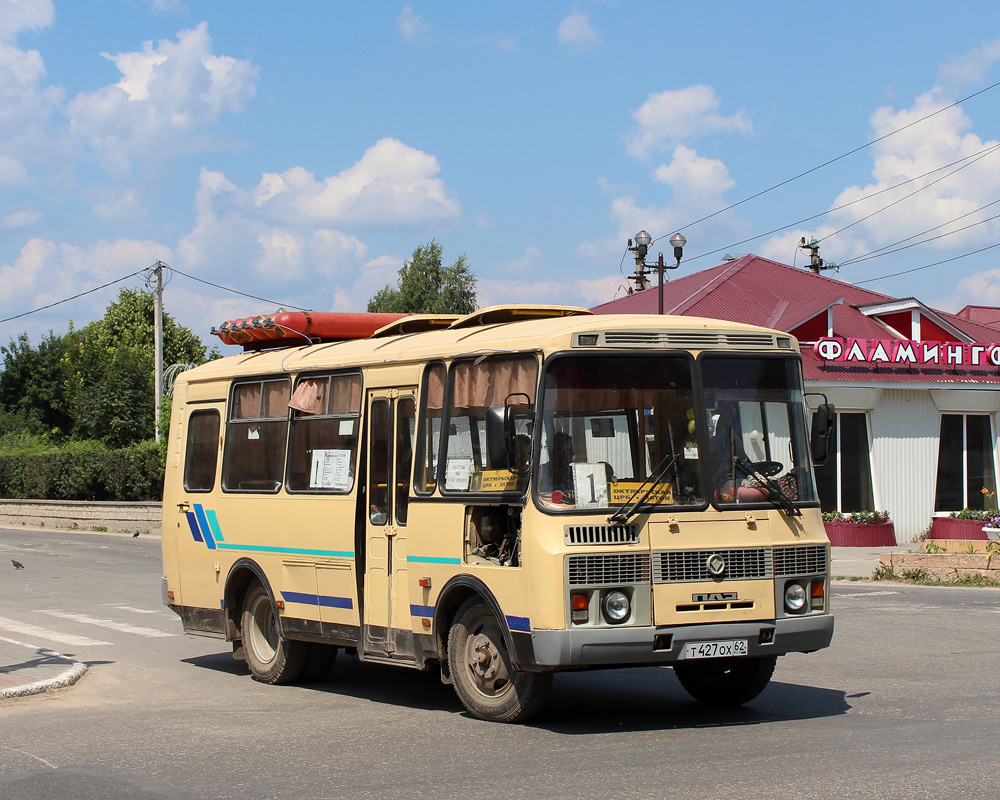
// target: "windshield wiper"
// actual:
[[775, 493], [628, 508]]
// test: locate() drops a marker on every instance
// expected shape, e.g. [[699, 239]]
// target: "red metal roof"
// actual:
[[758, 291]]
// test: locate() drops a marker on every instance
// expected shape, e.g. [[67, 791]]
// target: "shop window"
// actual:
[[966, 474], [845, 481], [201, 454], [326, 419], [254, 457]]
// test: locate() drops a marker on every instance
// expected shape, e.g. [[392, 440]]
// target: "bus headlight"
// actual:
[[795, 597], [616, 607]]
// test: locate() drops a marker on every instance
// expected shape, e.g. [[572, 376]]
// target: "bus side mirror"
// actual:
[[822, 431], [497, 448]]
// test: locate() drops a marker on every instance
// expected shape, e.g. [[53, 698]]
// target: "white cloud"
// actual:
[[45, 272], [21, 219], [412, 25], [23, 15], [970, 68], [392, 184], [695, 177], [672, 116], [979, 289], [531, 262], [927, 146], [576, 30], [165, 95]]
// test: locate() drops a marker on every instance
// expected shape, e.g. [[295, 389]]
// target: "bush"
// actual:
[[83, 471]]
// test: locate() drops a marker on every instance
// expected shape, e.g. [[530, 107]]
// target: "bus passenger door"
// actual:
[[386, 612]]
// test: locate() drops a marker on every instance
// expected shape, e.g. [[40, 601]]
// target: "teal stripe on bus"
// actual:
[[298, 551], [213, 523], [432, 560]]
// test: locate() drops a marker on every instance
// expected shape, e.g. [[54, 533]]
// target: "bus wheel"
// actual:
[[485, 681], [271, 658], [725, 681]]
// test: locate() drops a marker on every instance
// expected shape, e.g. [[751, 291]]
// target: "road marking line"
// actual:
[[122, 627], [138, 610], [862, 594], [44, 633]]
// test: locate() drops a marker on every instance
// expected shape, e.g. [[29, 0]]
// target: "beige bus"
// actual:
[[503, 496]]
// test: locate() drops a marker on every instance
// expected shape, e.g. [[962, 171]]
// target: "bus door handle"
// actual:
[[183, 507]]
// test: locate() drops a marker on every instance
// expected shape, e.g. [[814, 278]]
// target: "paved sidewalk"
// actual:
[[859, 562]]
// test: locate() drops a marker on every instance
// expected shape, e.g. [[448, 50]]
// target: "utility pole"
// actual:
[[157, 343]]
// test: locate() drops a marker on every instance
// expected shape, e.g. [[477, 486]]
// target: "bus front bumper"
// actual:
[[579, 647]]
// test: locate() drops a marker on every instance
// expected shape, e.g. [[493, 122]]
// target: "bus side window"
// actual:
[[404, 455], [201, 453], [378, 472], [254, 457], [429, 443]]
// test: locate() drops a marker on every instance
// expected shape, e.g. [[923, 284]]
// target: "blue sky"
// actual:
[[299, 152]]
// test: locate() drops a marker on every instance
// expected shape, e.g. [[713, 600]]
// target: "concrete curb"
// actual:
[[73, 672]]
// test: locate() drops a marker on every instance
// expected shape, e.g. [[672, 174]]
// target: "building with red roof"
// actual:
[[915, 388]]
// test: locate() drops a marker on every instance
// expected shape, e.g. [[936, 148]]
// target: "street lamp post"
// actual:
[[642, 242]]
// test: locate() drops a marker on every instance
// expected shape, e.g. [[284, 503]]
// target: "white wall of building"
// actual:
[[905, 425]]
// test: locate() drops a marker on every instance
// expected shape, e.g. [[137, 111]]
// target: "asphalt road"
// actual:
[[905, 704]]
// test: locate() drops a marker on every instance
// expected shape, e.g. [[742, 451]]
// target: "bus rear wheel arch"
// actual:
[[724, 682], [271, 658], [485, 678]]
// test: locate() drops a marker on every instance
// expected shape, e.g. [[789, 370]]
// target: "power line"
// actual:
[[834, 160], [980, 153], [928, 266], [885, 251], [74, 297], [908, 196], [235, 291]]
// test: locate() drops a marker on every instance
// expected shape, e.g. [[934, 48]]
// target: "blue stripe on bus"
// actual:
[[318, 600], [521, 624], [421, 611], [193, 525], [432, 560], [213, 523], [299, 551], [199, 511]]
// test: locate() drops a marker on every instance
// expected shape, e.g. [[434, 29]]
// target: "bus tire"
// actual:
[[270, 657], [485, 681], [725, 681]]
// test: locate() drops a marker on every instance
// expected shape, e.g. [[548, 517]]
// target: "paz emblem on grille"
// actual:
[[716, 565]]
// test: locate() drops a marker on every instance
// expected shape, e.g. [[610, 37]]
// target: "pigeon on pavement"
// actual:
[[17, 564], [136, 534]]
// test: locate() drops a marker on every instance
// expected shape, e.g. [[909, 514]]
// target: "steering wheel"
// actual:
[[768, 468]]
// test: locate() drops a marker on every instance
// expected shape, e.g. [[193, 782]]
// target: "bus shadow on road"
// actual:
[[587, 702], [651, 698]]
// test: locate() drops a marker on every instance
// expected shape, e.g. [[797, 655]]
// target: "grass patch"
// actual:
[[920, 577]]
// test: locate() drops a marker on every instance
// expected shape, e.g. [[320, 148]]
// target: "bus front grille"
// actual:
[[602, 534], [687, 566], [809, 559], [608, 569]]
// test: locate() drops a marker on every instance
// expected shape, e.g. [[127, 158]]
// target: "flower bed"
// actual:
[[849, 534], [954, 528], [860, 529]]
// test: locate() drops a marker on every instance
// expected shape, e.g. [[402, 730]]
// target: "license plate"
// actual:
[[720, 649]]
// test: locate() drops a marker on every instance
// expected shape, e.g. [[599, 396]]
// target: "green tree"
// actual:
[[109, 375], [32, 387], [425, 286]]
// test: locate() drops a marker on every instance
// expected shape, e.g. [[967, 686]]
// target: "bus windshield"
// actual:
[[758, 446], [611, 422], [630, 430]]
